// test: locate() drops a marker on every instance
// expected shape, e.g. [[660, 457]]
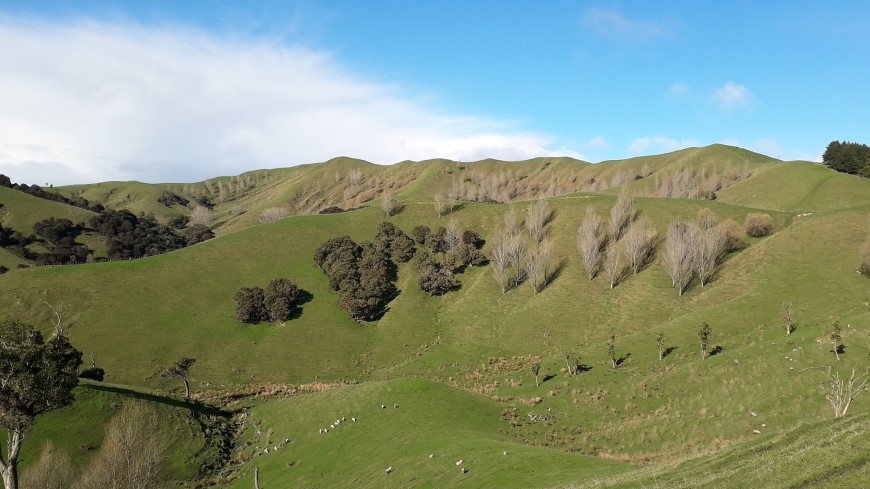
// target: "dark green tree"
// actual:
[[421, 234], [251, 305], [396, 244], [280, 299], [704, 335], [35, 377]]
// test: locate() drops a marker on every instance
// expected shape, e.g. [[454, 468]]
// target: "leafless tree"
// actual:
[[59, 310], [572, 361], [611, 351], [612, 266], [273, 214], [536, 219], [52, 470], [500, 260], [511, 226], [355, 177], [131, 454], [660, 345], [787, 315], [518, 249], [707, 249], [677, 256], [840, 392], [388, 204], [758, 225], [707, 219], [638, 244], [180, 370], [538, 264], [452, 236], [441, 205], [590, 239], [536, 369], [621, 214], [201, 215]]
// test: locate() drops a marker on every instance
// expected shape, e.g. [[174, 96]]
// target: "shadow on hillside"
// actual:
[[716, 350], [195, 406], [548, 377], [304, 297], [621, 360], [397, 210], [668, 351], [557, 271]]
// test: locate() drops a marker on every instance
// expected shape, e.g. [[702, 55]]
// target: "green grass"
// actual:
[[459, 360]]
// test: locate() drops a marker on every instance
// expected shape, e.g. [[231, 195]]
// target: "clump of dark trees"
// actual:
[[853, 158], [279, 301], [445, 254], [364, 274], [131, 236]]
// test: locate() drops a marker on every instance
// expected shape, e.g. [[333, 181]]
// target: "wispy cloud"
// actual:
[[679, 89], [613, 24], [659, 144], [732, 95], [93, 101]]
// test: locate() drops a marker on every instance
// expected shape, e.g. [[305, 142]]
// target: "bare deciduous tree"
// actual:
[[441, 205], [538, 264], [536, 219], [200, 215], [660, 345], [677, 257], [590, 239], [841, 392], [511, 226], [273, 214], [638, 244], [572, 360], [388, 204], [787, 315], [517, 250], [131, 454], [53, 470], [500, 260], [58, 312], [536, 369], [611, 351], [452, 236], [707, 249], [836, 338], [612, 266], [621, 214]]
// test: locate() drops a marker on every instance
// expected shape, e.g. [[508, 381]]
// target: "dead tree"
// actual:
[[500, 260], [841, 392], [180, 370], [660, 345], [677, 256]]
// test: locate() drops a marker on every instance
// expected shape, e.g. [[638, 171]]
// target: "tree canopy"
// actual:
[[848, 157]]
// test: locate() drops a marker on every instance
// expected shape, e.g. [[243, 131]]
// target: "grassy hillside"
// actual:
[[459, 364]]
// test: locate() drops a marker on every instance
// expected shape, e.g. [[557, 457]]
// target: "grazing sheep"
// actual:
[[431, 455], [504, 452], [756, 432], [353, 419], [752, 413], [396, 406], [383, 407], [464, 470], [344, 419], [389, 470], [460, 462]]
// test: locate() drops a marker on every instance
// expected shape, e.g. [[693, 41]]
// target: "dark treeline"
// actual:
[[37, 191], [853, 158]]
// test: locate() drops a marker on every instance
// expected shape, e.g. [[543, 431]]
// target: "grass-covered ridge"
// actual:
[[459, 364]]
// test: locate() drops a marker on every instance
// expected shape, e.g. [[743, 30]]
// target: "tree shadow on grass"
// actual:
[[556, 272], [304, 297], [397, 210], [195, 406], [621, 360], [548, 377], [668, 351], [716, 350]]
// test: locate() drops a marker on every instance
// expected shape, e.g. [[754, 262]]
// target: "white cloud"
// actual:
[[732, 95], [92, 101], [614, 25], [596, 143], [659, 144]]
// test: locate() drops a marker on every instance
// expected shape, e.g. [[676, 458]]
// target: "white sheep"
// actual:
[[460, 462], [353, 419], [389, 470]]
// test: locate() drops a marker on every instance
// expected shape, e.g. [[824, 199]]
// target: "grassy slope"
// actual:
[[450, 424], [79, 429], [646, 410]]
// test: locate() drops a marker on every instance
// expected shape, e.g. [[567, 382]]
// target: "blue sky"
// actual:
[[181, 91]]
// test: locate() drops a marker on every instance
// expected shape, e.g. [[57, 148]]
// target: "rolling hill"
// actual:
[[458, 365]]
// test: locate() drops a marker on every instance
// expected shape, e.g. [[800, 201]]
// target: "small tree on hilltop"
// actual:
[[37, 377], [181, 371], [836, 338], [704, 335]]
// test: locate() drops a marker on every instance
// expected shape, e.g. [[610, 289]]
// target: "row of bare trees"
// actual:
[[522, 252], [130, 457]]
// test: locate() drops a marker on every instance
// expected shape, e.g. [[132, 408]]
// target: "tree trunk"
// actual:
[[186, 388], [256, 478], [10, 477], [836, 350]]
